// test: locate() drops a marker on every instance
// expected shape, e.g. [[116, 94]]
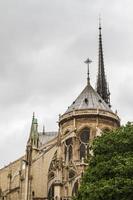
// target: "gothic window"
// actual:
[[75, 189], [70, 152], [84, 143], [51, 193], [68, 149], [65, 152], [69, 141], [85, 135], [82, 151], [71, 174]]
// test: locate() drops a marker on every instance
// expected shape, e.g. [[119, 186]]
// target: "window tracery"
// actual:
[[68, 151], [82, 151], [71, 174], [85, 135], [84, 143]]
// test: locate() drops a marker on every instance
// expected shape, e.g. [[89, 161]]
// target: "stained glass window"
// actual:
[[84, 143], [85, 135]]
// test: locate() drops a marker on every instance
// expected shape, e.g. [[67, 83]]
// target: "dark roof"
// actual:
[[46, 137], [89, 99]]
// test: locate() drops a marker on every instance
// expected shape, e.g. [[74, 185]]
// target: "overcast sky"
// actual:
[[43, 45]]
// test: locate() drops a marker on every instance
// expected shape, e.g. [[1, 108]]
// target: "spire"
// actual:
[[34, 132], [102, 86]]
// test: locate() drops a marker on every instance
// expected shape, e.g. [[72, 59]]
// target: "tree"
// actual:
[[109, 175]]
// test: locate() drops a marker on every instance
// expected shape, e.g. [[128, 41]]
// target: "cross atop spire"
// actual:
[[102, 86], [88, 61]]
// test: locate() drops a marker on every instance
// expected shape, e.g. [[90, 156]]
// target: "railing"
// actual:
[[89, 112]]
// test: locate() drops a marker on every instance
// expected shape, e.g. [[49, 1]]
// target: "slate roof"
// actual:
[[46, 137], [89, 99]]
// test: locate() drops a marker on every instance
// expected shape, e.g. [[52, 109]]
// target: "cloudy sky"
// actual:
[[43, 45]]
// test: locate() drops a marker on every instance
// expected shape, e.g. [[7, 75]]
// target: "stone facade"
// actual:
[[55, 162], [55, 169]]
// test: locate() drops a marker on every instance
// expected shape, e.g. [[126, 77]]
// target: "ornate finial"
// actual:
[[100, 27], [33, 139], [34, 120], [33, 117], [88, 61]]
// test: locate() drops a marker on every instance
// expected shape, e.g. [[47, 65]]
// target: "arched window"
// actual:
[[68, 151], [71, 174], [51, 193], [82, 151], [84, 143], [65, 152], [69, 141], [75, 189], [85, 135]]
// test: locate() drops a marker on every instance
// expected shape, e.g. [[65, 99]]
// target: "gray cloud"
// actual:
[[42, 48]]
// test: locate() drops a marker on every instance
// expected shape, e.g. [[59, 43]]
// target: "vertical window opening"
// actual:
[[84, 143]]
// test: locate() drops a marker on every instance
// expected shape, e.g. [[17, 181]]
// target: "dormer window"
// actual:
[[86, 100]]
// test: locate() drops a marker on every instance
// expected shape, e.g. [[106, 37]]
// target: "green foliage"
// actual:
[[109, 175]]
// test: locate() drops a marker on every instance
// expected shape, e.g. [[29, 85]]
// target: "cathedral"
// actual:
[[54, 162]]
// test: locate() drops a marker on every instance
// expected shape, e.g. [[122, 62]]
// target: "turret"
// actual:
[[34, 137], [31, 149]]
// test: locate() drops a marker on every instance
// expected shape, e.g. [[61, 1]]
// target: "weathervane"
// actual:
[[88, 61]]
